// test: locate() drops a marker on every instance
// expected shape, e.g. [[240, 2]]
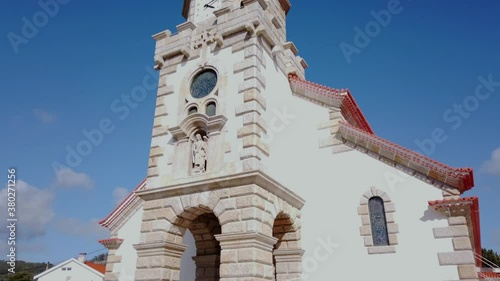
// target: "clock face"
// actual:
[[204, 9]]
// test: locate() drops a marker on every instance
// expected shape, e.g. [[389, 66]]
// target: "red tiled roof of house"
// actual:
[[99, 267], [485, 275]]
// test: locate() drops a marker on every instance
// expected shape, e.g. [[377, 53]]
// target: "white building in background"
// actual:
[[256, 173], [74, 270]]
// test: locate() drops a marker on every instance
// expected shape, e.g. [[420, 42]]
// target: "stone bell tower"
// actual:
[[207, 166]]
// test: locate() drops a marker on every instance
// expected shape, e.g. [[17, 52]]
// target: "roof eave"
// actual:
[[123, 206]]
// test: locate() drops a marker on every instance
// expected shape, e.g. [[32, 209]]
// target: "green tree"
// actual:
[[20, 276], [100, 258], [491, 256]]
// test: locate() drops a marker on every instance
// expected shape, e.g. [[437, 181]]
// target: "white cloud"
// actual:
[[33, 209], [44, 116], [119, 193], [88, 229], [69, 178], [492, 166]]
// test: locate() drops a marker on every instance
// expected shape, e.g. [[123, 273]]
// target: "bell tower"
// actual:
[[207, 165]]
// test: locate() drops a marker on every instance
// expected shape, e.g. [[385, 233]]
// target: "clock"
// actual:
[[204, 9]]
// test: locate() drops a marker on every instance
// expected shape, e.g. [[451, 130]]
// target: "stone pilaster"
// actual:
[[288, 264], [253, 107], [334, 140], [463, 256], [159, 261], [112, 245], [246, 256]]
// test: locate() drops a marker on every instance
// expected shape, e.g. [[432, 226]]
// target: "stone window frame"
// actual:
[[200, 103], [365, 228], [185, 100]]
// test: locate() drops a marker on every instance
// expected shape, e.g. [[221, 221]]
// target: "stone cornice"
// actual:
[[285, 4], [191, 185], [256, 21], [160, 248], [198, 121], [186, 26], [246, 240], [222, 11], [460, 178], [291, 46], [111, 243], [293, 255], [162, 35]]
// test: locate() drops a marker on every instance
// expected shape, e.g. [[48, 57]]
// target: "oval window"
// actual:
[[203, 83]]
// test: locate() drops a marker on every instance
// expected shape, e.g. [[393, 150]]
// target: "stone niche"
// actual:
[[198, 145]]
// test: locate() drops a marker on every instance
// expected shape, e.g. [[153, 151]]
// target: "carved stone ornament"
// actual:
[[199, 153]]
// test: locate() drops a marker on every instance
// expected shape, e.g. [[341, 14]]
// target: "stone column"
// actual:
[[159, 261], [246, 256], [112, 245], [207, 267], [288, 264]]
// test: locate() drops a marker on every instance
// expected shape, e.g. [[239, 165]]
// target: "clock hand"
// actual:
[[209, 4]]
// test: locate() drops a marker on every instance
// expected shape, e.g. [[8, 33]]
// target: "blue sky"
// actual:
[[60, 81]]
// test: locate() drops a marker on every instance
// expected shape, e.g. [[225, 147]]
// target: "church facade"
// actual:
[[256, 173]]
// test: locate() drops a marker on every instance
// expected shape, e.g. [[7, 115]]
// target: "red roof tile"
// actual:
[[99, 267]]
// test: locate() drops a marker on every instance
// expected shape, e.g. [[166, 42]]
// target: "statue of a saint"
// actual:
[[199, 153]]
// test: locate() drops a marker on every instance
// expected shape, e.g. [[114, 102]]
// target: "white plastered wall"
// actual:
[[332, 186], [78, 272], [130, 232]]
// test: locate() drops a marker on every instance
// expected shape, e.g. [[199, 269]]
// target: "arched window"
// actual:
[[192, 110], [378, 221], [211, 109]]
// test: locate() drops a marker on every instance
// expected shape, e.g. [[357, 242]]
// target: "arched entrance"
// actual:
[[287, 254], [200, 239]]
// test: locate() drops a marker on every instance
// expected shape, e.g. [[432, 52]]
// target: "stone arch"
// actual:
[[238, 219], [204, 227], [287, 253]]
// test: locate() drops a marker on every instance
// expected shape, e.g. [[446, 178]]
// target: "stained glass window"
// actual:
[[203, 83], [211, 109], [378, 222]]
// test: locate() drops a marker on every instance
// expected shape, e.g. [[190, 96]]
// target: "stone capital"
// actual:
[[160, 249], [246, 240], [111, 243], [294, 255]]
